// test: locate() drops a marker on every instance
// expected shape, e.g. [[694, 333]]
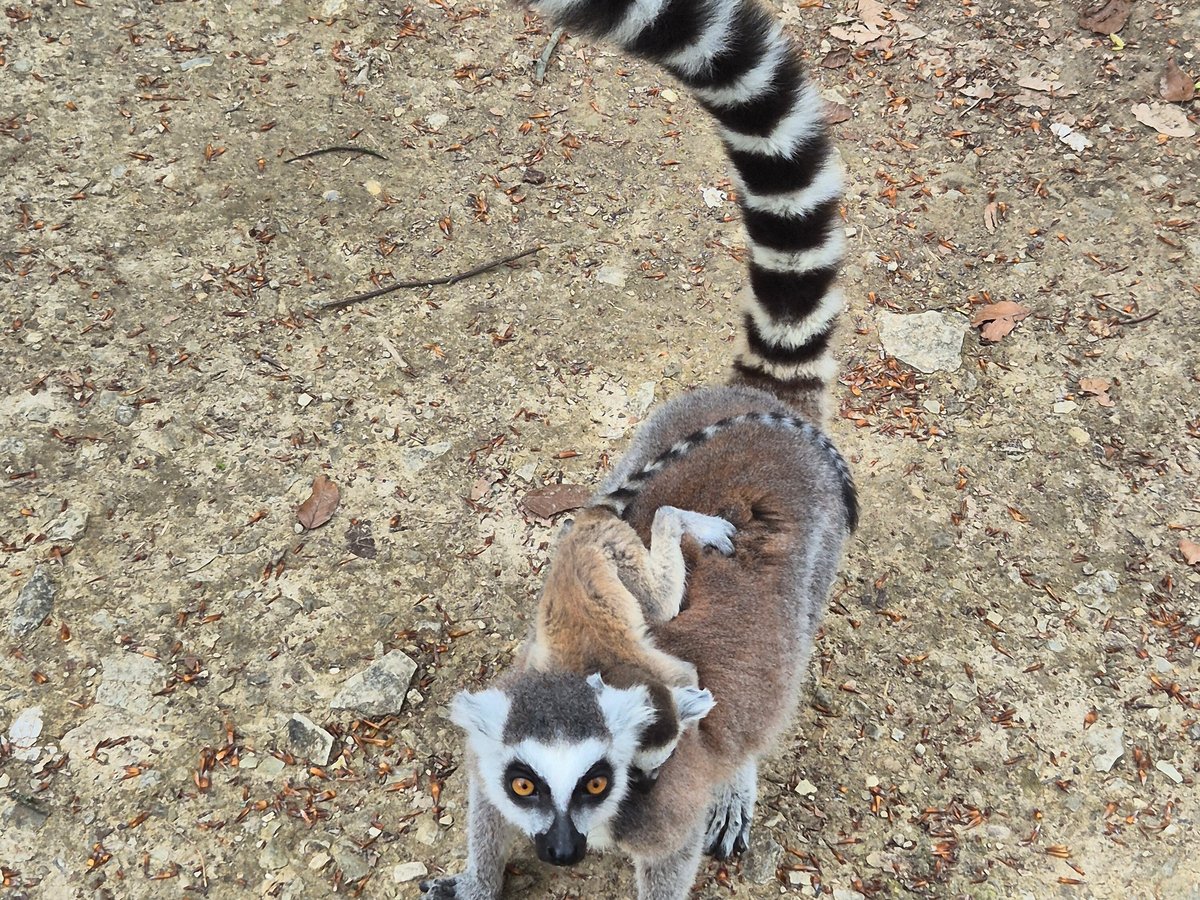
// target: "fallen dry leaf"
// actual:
[[1174, 85], [1106, 17], [320, 505], [836, 112], [835, 59], [998, 319], [979, 89], [991, 216], [1098, 388], [1190, 551], [1169, 120], [873, 14], [359, 540], [546, 502]]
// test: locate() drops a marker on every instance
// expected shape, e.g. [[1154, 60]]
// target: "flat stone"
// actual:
[[409, 872], [1103, 582], [23, 733], [928, 341], [352, 863], [379, 689], [414, 459], [309, 740], [34, 603], [27, 815], [129, 681], [761, 861], [70, 526], [1106, 745], [270, 767]]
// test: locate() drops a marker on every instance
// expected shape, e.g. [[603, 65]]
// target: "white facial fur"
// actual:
[[559, 764]]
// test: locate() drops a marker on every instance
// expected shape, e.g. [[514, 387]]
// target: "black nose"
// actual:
[[561, 844]]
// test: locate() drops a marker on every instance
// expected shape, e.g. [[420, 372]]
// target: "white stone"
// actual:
[[410, 871], [805, 787], [1106, 745], [380, 689], [1169, 770], [929, 341], [23, 733]]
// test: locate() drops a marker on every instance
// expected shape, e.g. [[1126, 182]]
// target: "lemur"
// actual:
[[551, 752], [603, 590]]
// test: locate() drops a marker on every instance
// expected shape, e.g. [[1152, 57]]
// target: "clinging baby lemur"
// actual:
[[552, 751]]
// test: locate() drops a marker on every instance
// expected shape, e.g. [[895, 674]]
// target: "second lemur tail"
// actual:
[[736, 60]]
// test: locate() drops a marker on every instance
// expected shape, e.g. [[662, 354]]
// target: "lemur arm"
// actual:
[[669, 877], [489, 842], [665, 574]]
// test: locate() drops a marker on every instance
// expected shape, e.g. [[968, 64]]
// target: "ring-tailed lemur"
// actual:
[[604, 589], [551, 751]]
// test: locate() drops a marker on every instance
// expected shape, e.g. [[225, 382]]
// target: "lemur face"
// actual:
[[555, 754]]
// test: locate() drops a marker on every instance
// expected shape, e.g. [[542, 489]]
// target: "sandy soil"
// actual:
[[1006, 698]]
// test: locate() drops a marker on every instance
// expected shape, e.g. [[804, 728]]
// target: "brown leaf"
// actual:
[[991, 215], [359, 540], [546, 502], [1190, 551], [835, 59], [1098, 388], [835, 112], [1174, 84], [320, 505], [998, 319], [1107, 16]]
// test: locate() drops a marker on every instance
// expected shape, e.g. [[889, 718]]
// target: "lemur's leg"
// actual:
[[669, 877], [730, 814], [667, 571], [489, 841]]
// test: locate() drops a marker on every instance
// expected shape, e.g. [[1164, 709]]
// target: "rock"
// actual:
[[270, 767], [309, 740], [761, 861], [1169, 770], [347, 858], [34, 603], [613, 276], [69, 527], [129, 681], [843, 894], [27, 814], [1106, 745], [1103, 582], [125, 414], [928, 341], [275, 854], [805, 787], [379, 689], [24, 732], [414, 459]]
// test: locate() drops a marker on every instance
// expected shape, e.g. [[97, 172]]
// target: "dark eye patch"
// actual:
[[519, 771], [601, 770]]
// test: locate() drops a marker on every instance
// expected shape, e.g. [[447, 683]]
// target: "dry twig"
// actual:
[[430, 282], [322, 150]]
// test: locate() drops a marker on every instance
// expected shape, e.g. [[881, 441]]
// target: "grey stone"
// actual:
[[379, 689], [25, 814], [125, 414], [309, 740], [70, 526], [352, 863], [410, 871], [1103, 582], [414, 459], [34, 603], [762, 860], [275, 854], [129, 681], [928, 341], [1106, 745]]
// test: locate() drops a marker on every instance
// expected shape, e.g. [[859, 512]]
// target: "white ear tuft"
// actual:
[[693, 704], [627, 711], [482, 714]]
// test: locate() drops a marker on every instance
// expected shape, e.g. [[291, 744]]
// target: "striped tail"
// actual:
[[744, 70], [619, 498]]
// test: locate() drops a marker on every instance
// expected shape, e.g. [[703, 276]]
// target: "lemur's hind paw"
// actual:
[[709, 531]]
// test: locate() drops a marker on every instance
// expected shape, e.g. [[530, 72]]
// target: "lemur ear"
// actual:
[[693, 704], [482, 714], [627, 711]]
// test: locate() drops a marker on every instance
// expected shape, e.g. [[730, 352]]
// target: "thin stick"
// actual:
[[539, 71], [430, 282], [1146, 318], [362, 150]]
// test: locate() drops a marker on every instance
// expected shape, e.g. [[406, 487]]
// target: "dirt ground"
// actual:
[[1007, 688]]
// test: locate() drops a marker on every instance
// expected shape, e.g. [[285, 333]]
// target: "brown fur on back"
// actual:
[[588, 620]]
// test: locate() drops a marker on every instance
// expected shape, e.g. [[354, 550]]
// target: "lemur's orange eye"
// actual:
[[522, 787], [597, 786]]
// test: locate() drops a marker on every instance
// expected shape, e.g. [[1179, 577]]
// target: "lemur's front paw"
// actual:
[[440, 888], [709, 531], [454, 887]]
